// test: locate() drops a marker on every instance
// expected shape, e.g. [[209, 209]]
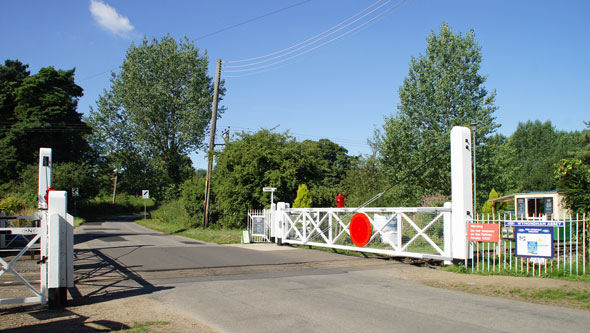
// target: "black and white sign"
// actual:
[[75, 192], [258, 226], [145, 194]]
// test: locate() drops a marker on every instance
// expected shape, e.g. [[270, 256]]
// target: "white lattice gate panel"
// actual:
[[409, 232], [259, 221], [33, 235]]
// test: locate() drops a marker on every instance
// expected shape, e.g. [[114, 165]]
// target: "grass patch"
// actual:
[[219, 236], [576, 298], [145, 326], [554, 273]]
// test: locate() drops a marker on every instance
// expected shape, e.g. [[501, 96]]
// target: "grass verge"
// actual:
[[219, 236], [146, 326]]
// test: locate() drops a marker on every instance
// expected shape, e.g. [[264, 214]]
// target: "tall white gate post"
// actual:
[[45, 164], [60, 248], [461, 190], [279, 222]]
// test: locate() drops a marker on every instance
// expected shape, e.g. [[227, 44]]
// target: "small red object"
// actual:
[[360, 229], [340, 201], [49, 189]]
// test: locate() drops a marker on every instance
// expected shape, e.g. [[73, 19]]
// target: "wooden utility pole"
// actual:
[[211, 143]]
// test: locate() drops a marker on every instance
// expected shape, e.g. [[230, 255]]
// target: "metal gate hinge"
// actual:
[[43, 260]]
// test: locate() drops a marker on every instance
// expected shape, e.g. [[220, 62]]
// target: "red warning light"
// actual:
[[360, 229]]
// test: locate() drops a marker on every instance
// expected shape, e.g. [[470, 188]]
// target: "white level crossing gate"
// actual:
[[56, 244], [408, 232], [418, 232]]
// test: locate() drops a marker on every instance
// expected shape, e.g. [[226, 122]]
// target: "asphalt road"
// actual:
[[265, 288]]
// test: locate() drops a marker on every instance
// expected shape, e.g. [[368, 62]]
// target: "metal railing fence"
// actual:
[[570, 249]]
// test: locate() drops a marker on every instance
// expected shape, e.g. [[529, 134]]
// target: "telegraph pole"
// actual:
[[211, 143]]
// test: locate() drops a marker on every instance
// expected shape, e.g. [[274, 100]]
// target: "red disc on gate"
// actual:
[[360, 229]]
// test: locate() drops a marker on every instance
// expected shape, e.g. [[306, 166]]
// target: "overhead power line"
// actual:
[[251, 20], [359, 20], [318, 36]]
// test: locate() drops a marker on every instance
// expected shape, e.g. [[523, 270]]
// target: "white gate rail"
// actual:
[[9, 266], [421, 232]]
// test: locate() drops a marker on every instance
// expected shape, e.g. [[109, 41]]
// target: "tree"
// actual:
[[573, 176], [443, 89], [39, 111], [156, 111], [303, 199], [535, 149], [265, 158], [488, 207], [193, 199]]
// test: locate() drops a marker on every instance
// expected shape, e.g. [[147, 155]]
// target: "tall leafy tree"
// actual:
[[266, 158], [536, 147], [443, 89], [156, 112], [39, 111], [573, 176]]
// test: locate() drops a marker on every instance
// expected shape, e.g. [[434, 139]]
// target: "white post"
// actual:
[[447, 233], [45, 164], [279, 222], [58, 246], [461, 190]]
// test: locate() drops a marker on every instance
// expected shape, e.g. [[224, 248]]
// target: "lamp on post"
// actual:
[[473, 149]]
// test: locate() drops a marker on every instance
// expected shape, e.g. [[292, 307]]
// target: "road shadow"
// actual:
[[38, 318], [100, 278]]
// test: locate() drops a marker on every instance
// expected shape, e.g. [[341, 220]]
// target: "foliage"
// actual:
[[363, 180], [193, 199], [573, 178], [433, 200], [12, 205], [102, 206], [303, 199], [266, 158], [39, 111], [488, 207], [443, 89], [533, 155], [211, 235], [172, 212], [66, 176], [155, 113], [493, 162]]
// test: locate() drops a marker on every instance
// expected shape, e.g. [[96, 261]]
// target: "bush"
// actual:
[[193, 199], [12, 205], [103, 206], [173, 212]]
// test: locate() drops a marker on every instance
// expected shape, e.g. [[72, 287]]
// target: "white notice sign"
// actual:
[[145, 194]]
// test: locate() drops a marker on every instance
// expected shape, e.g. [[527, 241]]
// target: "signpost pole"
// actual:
[[146, 195]]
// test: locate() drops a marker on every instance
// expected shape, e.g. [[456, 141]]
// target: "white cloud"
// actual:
[[108, 18]]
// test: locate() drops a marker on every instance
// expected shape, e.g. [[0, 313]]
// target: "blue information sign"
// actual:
[[535, 223], [534, 242]]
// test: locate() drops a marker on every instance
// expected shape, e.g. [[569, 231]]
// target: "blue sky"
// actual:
[[535, 54]]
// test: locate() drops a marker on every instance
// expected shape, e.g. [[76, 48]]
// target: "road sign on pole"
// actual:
[[146, 195]]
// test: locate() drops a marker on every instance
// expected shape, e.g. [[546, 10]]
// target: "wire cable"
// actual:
[[307, 40], [406, 176], [251, 20], [320, 45]]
